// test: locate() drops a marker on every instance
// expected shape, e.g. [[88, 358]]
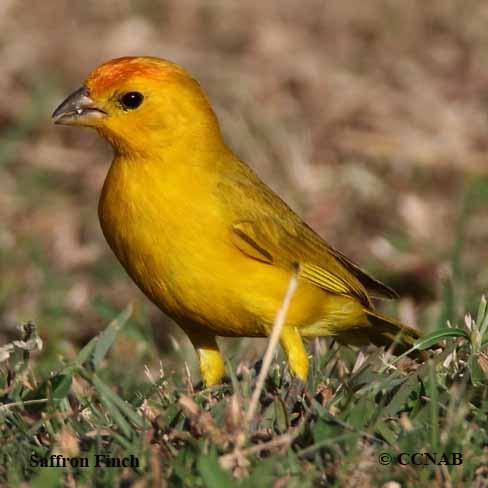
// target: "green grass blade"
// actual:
[[123, 406], [429, 340], [433, 338], [213, 475], [107, 337], [84, 355], [112, 409], [482, 318], [434, 408], [61, 386]]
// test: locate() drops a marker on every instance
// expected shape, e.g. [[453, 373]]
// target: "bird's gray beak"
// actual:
[[78, 109]]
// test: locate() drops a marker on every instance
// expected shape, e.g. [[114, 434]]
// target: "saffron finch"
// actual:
[[202, 236]]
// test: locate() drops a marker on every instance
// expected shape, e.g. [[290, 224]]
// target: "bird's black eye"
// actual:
[[131, 100]]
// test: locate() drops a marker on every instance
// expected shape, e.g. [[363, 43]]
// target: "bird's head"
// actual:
[[142, 104]]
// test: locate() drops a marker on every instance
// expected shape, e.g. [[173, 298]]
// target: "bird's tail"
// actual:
[[385, 331]]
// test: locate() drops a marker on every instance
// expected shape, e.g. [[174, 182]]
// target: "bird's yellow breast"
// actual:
[[170, 232]]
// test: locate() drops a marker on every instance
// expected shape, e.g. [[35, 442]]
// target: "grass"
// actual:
[[359, 410]]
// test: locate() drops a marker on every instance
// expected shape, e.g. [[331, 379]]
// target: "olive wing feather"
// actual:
[[267, 230]]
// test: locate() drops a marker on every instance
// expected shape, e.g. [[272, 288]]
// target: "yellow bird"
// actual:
[[201, 235]]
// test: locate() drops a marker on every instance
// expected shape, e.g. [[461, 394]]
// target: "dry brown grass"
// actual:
[[369, 117]]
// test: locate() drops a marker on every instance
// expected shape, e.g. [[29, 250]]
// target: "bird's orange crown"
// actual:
[[119, 71]]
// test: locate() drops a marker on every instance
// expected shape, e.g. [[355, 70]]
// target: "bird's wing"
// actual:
[[267, 230], [268, 240]]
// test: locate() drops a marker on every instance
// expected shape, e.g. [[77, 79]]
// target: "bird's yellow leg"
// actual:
[[209, 356], [292, 344]]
